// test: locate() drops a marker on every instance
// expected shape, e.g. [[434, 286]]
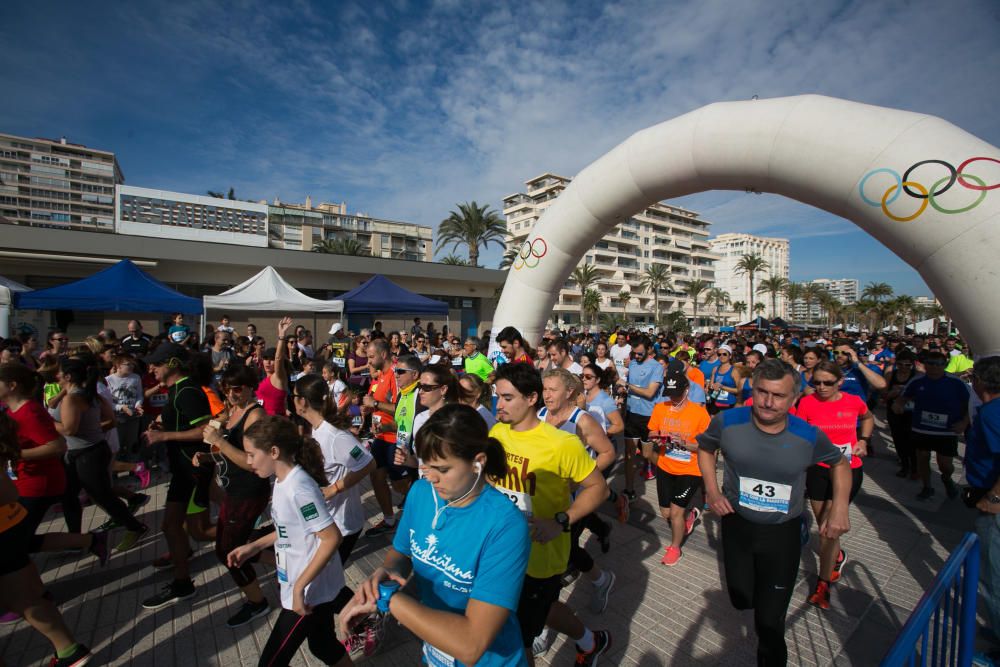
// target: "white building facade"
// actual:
[[658, 234], [730, 248], [845, 290]]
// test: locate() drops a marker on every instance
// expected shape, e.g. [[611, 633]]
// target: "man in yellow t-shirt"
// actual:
[[542, 461]]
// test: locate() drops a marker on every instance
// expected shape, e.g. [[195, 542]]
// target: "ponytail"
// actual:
[[318, 397], [496, 459], [278, 432]]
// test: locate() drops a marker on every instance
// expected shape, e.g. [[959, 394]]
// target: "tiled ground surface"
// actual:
[[657, 615]]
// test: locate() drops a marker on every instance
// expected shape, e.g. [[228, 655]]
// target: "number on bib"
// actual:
[[933, 419], [279, 561], [846, 450], [522, 500], [764, 496]]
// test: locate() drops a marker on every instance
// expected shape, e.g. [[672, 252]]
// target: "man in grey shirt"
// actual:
[[767, 453]]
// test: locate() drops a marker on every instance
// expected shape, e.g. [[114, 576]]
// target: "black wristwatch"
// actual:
[[563, 520], [992, 497]]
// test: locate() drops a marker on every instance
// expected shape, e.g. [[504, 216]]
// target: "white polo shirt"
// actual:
[[343, 454]]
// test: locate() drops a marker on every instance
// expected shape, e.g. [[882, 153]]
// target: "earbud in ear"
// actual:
[[479, 467]]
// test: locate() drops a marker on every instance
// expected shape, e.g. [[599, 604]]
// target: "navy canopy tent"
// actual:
[[381, 296], [122, 287]]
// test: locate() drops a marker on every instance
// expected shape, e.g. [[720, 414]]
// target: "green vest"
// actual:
[[406, 410]]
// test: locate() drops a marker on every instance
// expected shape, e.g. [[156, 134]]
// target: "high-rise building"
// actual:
[[731, 248], [844, 290], [57, 184], [302, 226], [658, 234]]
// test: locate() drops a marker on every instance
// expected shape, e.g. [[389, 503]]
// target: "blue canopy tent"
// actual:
[[122, 287], [380, 296]]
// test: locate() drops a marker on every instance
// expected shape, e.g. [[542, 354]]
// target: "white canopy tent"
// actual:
[[269, 291], [6, 302]]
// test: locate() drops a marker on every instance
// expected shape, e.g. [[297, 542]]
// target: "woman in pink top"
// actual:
[[272, 392], [838, 415]]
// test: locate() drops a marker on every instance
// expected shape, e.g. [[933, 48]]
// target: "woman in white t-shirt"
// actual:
[[345, 463], [305, 542], [601, 357]]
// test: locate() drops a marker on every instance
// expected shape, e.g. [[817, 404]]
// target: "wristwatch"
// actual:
[[994, 499], [563, 520]]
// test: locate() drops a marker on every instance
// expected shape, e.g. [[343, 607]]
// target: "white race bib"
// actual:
[[437, 658], [521, 500], [279, 561], [678, 454], [340, 361], [846, 450], [933, 419], [763, 496]]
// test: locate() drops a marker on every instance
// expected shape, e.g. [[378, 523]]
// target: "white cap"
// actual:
[[760, 347], [725, 348], [336, 327], [434, 360]]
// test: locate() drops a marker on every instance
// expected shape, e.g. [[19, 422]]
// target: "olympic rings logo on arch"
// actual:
[[530, 253], [928, 195]]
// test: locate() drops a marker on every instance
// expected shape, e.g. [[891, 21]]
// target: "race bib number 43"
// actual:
[[763, 496]]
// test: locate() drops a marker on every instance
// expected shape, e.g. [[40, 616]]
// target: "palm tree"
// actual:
[[793, 293], [342, 246], [759, 308], [694, 289], [750, 265], [625, 297], [591, 303], [676, 321], [811, 293], [585, 276], [654, 279], [473, 226], [877, 291], [832, 306], [508, 258], [774, 285], [611, 321], [219, 195], [455, 260], [740, 307], [720, 298], [904, 305]]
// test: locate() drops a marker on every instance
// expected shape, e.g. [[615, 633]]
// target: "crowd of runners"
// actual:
[[487, 469]]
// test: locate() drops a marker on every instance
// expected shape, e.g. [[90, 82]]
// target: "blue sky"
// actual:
[[404, 109]]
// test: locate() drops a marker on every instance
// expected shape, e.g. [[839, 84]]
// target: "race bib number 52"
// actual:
[[764, 496]]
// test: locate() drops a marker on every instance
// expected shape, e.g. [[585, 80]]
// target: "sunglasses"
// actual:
[[723, 354], [840, 353], [586, 376], [428, 387], [824, 383], [401, 371]]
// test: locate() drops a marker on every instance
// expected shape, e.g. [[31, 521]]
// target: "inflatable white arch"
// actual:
[[923, 187]]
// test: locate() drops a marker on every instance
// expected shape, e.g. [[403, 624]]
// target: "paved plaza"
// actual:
[[657, 615]]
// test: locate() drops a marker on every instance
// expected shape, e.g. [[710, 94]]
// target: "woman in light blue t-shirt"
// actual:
[[464, 543]]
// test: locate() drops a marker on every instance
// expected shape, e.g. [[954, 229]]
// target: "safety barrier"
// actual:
[[942, 628]]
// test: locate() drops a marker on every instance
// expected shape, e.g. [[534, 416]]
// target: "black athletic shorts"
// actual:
[[636, 426], [188, 484], [945, 445], [384, 452], [537, 597], [819, 486], [14, 545], [675, 489]]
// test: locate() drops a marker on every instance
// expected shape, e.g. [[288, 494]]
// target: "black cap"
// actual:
[[165, 352], [674, 383]]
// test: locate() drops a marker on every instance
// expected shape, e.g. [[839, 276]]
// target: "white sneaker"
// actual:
[[543, 642]]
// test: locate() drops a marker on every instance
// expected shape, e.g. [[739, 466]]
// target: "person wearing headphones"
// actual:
[[465, 544]]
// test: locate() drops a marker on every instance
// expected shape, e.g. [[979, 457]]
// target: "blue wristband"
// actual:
[[386, 590]]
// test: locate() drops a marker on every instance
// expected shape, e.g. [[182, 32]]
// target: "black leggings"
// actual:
[[37, 507], [234, 528], [578, 556], [90, 469], [344, 551], [290, 630], [762, 563], [902, 437]]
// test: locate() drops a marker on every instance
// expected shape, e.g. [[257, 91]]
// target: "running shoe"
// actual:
[[838, 566], [671, 556], [950, 487], [374, 632], [9, 617], [602, 642], [541, 644], [99, 547], [649, 473], [622, 505], [81, 656], [137, 502], [599, 598], [248, 612], [142, 474], [169, 594], [381, 528], [691, 520], [821, 596], [130, 539], [110, 524], [926, 494]]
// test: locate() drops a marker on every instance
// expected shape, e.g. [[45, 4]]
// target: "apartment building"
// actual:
[[730, 248], [302, 226], [658, 234], [845, 290], [57, 184]]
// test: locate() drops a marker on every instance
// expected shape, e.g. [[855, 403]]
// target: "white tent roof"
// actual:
[[7, 286], [269, 291]]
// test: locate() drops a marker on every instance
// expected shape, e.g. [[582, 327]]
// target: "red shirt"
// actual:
[[384, 390], [41, 477], [838, 419], [153, 404]]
